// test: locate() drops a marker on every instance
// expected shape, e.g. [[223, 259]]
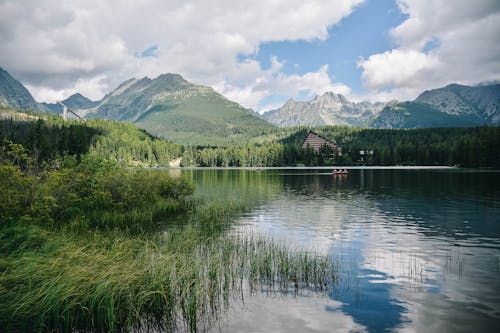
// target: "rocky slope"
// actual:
[[416, 115], [482, 102], [328, 109], [174, 108], [453, 105], [14, 94]]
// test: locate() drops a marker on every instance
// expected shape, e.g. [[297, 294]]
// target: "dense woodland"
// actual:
[[466, 147], [50, 137]]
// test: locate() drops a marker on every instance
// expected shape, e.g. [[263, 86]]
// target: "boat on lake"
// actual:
[[340, 172]]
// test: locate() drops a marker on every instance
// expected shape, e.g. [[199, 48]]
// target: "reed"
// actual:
[[134, 220], [108, 282]]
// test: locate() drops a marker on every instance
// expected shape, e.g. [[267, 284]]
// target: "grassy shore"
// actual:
[[92, 247], [112, 281]]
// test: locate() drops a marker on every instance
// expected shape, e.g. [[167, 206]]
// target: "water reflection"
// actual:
[[282, 314], [419, 249]]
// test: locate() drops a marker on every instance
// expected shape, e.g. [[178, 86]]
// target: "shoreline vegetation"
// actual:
[[108, 281], [371, 167], [89, 244]]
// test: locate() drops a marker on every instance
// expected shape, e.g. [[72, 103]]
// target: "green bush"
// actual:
[[15, 190], [88, 195]]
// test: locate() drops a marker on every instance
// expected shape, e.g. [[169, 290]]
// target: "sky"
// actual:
[[259, 53]]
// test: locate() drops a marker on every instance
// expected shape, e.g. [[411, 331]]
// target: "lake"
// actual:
[[418, 249]]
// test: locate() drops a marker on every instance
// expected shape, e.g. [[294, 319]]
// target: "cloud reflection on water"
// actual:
[[419, 252]]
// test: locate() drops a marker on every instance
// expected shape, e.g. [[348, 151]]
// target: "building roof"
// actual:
[[319, 135], [316, 142]]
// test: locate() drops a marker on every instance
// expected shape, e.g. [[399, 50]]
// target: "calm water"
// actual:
[[419, 250]]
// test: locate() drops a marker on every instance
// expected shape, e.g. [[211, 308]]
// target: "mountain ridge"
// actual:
[[13, 93], [453, 105], [174, 108], [482, 101], [74, 102], [328, 109]]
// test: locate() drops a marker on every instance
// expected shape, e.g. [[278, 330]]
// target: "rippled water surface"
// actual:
[[418, 250]]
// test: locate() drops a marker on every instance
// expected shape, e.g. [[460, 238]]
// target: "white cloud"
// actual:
[[396, 67], [467, 49], [52, 45], [87, 87], [387, 95], [262, 83], [270, 106]]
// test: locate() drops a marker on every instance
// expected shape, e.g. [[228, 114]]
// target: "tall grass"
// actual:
[[117, 282], [134, 220], [80, 251]]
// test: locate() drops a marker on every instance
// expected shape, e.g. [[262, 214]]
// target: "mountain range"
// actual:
[[167, 106], [174, 108], [328, 109], [171, 107], [453, 105]]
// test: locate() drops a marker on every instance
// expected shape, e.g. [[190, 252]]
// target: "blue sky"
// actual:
[[258, 53], [363, 33]]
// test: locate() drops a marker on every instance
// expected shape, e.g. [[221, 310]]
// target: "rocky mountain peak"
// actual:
[[171, 77], [78, 101], [290, 103], [482, 102], [171, 81], [332, 97]]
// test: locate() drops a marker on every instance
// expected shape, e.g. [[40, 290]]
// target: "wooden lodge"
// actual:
[[317, 143]]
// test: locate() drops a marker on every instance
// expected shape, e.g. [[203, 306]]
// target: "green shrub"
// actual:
[[94, 193], [15, 189]]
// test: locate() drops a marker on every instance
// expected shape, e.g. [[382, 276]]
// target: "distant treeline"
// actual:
[[466, 147]]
